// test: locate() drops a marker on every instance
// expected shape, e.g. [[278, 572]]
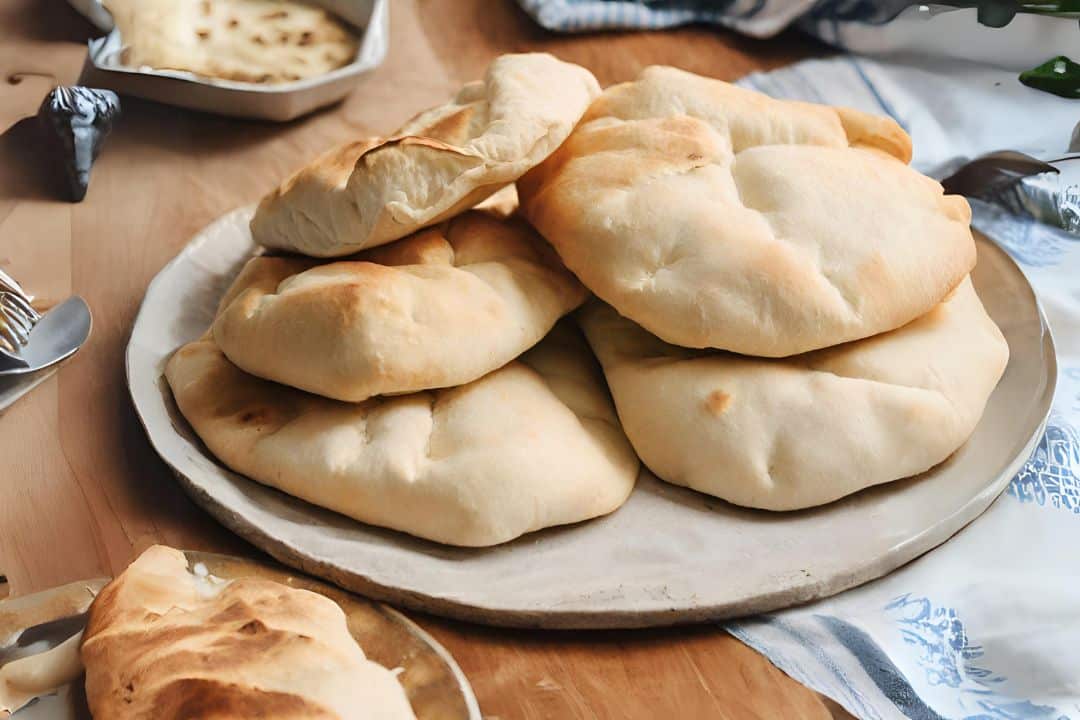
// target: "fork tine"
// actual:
[[16, 327], [17, 308], [19, 324], [27, 309], [8, 283], [17, 316], [7, 335], [20, 305]]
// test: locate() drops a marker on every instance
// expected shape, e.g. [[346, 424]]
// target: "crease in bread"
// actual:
[[791, 433], [440, 163], [440, 308], [717, 217], [534, 444]]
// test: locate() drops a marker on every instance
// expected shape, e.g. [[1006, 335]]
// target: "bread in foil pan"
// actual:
[[106, 66]]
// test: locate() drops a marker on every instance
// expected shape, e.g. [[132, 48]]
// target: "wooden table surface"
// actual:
[[82, 493]]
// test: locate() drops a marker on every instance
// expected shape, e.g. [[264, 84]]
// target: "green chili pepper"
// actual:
[[1060, 76]]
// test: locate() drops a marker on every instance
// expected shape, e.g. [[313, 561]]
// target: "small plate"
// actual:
[[435, 684], [669, 555]]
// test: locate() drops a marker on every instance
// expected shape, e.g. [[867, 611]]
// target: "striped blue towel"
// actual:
[[754, 17], [879, 27]]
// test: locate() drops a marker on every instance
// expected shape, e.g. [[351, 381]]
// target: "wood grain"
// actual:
[[81, 492]]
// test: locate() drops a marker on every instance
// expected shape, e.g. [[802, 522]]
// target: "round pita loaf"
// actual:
[[531, 445], [440, 163], [438, 309], [717, 217], [164, 643], [805, 430]]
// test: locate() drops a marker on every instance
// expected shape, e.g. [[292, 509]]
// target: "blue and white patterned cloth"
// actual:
[[986, 626]]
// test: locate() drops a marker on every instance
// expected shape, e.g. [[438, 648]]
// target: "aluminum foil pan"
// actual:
[[280, 102], [1043, 190]]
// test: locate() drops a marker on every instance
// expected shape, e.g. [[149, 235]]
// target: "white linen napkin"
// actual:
[[987, 625]]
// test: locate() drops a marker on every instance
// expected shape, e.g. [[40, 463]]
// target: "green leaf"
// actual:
[[1060, 76]]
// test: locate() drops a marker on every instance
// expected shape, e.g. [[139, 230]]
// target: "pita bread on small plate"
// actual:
[[715, 216], [164, 642], [534, 444], [440, 163], [806, 430], [258, 41], [438, 309]]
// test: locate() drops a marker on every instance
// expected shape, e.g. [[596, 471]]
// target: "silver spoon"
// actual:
[[56, 336]]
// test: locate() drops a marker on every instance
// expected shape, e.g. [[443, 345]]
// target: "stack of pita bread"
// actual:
[[782, 310], [426, 383], [786, 312]]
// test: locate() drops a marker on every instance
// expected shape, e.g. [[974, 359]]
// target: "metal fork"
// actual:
[[17, 316]]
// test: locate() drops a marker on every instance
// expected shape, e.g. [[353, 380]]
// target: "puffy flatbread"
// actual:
[[438, 309], [715, 216], [441, 162], [260, 41], [164, 643], [534, 444], [782, 434]]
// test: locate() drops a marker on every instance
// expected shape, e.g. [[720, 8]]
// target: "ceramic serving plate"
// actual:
[[436, 687], [668, 556]]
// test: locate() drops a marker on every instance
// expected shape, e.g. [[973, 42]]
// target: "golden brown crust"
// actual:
[[161, 644], [717, 217], [192, 699], [876, 132], [533, 444], [442, 162], [790, 433], [428, 143], [440, 308]]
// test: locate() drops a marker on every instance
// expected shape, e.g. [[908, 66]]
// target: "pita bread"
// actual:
[[440, 163], [717, 217], [438, 309], [805, 430], [258, 41], [166, 644], [531, 445]]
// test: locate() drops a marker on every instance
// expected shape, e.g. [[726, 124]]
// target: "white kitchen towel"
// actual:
[[987, 626]]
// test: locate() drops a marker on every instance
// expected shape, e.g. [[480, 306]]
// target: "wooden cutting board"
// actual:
[[81, 492]]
